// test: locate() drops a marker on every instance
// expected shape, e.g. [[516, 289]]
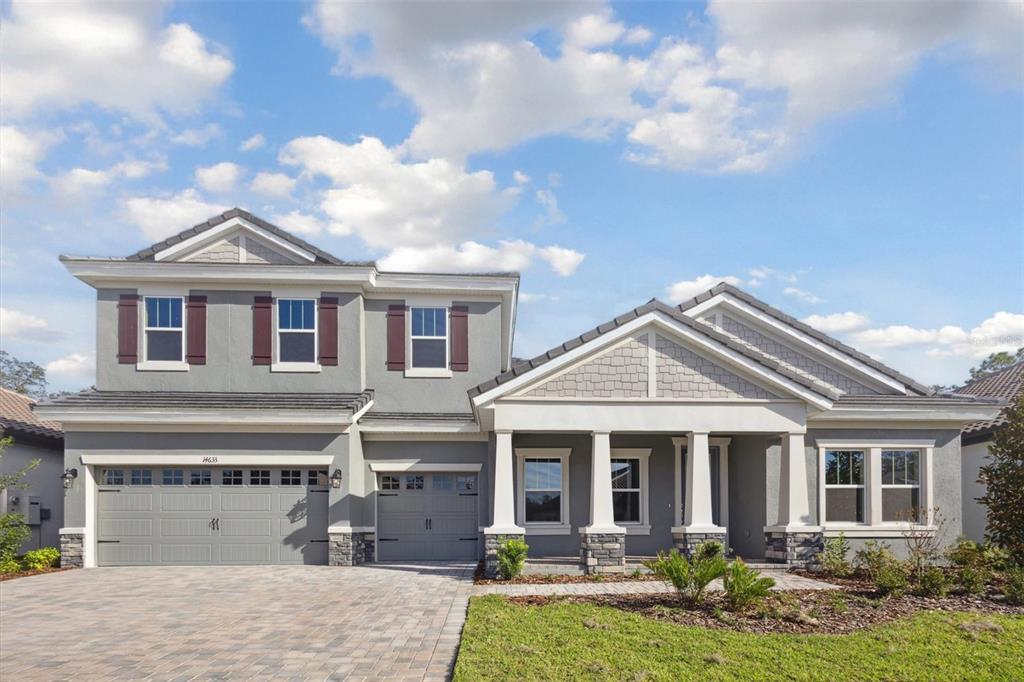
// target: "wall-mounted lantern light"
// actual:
[[336, 479], [69, 477]]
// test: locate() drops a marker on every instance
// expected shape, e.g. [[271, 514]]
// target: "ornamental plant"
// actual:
[[690, 576], [833, 558], [1003, 478], [38, 559], [13, 530], [512, 557], [745, 586]]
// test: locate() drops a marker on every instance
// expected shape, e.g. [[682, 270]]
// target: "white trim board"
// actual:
[[228, 227], [387, 467], [199, 460]]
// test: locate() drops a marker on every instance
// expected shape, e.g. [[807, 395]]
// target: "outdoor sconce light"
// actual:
[[336, 479], [69, 477]]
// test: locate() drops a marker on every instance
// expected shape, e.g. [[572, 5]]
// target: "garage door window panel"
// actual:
[[200, 477], [231, 477], [318, 477], [173, 477], [291, 477], [142, 477], [113, 477], [390, 483], [413, 482]]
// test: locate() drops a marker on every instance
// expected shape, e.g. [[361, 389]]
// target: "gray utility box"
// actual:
[[26, 505]]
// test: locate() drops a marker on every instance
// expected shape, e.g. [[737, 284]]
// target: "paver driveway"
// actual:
[[380, 621]]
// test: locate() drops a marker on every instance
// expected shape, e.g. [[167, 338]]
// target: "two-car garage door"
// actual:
[[211, 516]]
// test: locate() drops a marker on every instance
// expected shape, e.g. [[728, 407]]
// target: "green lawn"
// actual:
[[504, 641]]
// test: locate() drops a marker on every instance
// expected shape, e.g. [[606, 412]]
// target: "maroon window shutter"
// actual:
[[262, 330], [328, 330], [460, 338], [195, 323], [396, 337], [128, 329]]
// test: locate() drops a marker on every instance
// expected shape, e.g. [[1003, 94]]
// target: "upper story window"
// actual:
[[164, 333], [296, 330], [428, 334]]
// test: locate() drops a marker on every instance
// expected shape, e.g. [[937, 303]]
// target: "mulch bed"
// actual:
[[794, 612], [556, 579], [25, 574]]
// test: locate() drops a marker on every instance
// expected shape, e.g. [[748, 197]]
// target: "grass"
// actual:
[[573, 641]]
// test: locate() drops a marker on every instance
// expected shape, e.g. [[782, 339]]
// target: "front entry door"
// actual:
[[424, 517]]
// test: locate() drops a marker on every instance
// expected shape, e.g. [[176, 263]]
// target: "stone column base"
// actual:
[[72, 549], [347, 548], [603, 553], [687, 542], [793, 548], [491, 545]]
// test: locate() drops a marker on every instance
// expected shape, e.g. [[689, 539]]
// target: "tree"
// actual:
[[1003, 478], [995, 362], [22, 376]]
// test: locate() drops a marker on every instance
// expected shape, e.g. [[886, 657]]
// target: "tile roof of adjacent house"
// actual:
[[677, 313], [322, 257], [1004, 385], [93, 398], [16, 416]]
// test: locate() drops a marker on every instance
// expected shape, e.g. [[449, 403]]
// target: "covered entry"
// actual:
[[427, 516], [188, 516]]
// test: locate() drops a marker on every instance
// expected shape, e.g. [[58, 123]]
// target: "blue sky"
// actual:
[[857, 165]]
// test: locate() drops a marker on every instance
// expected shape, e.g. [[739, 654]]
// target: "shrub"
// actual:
[[38, 559], [892, 579], [512, 558], [972, 580], [745, 586], [690, 577], [9, 566], [1003, 478], [931, 582], [965, 553], [13, 532], [873, 558], [833, 558], [973, 565], [997, 558], [1013, 590]]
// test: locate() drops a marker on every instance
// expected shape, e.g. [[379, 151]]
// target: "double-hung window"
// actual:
[[626, 492], [844, 486], [428, 338], [164, 330], [901, 485], [296, 330], [542, 485]]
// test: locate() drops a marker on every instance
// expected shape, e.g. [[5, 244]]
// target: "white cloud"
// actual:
[[74, 366], [547, 199], [594, 30], [470, 256], [116, 55], [520, 177], [254, 142], [686, 289], [272, 184], [197, 137], [1002, 331], [802, 295], [299, 223], [161, 217], [78, 182], [836, 323], [20, 152], [220, 177], [389, 202], [15, 324], [562, 260], [758, 276], [531, 297]]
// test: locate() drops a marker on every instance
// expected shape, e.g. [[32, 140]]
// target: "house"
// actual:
[[261, 401], [41, 502], [1004, 385]]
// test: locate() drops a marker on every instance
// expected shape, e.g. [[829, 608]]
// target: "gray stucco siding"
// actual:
[[229, 351], [748, 495], [44, 482]]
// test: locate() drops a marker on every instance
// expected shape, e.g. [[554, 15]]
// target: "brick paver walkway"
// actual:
[[783, 581], [380, 621]]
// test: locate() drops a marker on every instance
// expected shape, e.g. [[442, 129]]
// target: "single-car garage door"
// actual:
[[427, 517], [211, 516]]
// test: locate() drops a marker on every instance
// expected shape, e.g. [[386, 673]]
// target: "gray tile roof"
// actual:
[[1004, 385], [725, 288], [93, 398], [675, 313], [322, 257]]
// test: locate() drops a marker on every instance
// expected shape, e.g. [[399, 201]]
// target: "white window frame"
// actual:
[[902, 486], [874, 526], [562, 527], [278, 365], [145, 364], [863, 486], [643, 526], [429, 372]]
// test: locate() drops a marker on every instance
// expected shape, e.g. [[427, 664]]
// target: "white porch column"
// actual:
[[602, 514], [697, 516], [794, 507], [504, 522]]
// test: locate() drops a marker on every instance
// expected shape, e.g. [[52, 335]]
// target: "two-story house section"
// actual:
[[259, 401]]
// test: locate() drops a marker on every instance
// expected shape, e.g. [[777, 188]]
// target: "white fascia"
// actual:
[[127, 274], [149, 459], [851, 364], [950, 417], [667, 324], [226, 227], [127, 419]]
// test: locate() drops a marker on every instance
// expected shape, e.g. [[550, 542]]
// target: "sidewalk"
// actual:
[[783, 581]]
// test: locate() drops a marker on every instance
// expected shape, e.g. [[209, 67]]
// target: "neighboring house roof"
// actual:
[[212, 401], [322, 257], [1004, 385], [17, 418]]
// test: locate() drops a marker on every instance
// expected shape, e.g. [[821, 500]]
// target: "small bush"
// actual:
[[512, 558], [1013, 590], [997, 558], [833, 558], [10, 566], [966, 553], [931, 582], [690, 577], [13, 533], [873, 558], [38, 559], [745, 586], [972, 579], [892, 579]]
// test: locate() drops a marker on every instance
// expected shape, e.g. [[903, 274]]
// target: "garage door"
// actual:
[[427, 517], [211, 516]]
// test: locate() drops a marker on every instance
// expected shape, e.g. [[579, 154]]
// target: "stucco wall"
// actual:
[[747, 495], [974, 457], [44, 482], [228, 351]]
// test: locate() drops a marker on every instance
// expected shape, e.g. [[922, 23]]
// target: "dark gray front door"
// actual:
[[187, 516], [427, 517]]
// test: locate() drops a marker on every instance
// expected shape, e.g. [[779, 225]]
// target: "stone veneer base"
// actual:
[[72, 548], [687, 542], [793, 549], [349, 549], [491, 545], [603, 553]]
